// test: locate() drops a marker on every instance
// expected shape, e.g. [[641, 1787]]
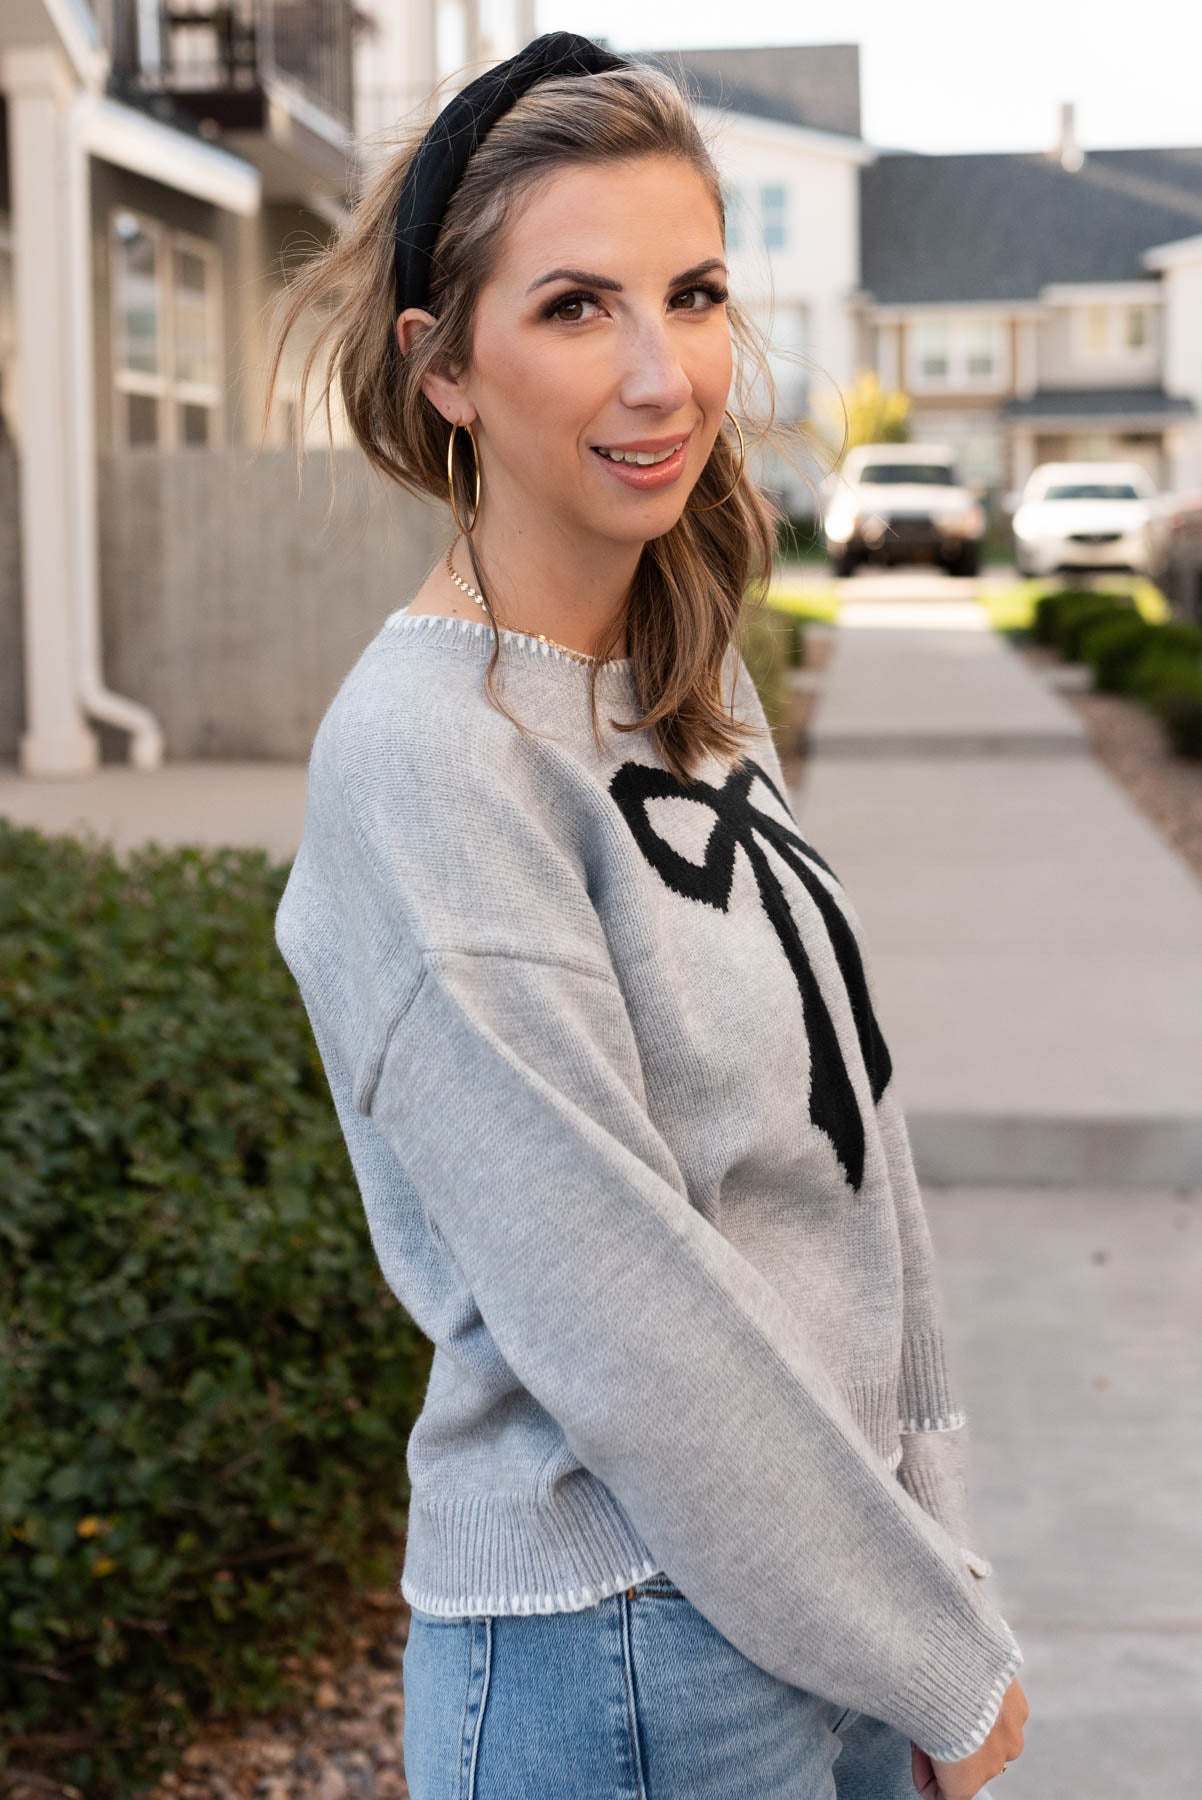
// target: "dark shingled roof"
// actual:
[[1092, 403], [798, 84], [1001, 226]]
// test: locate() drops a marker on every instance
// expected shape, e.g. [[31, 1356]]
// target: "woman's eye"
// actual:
[[714, 296], [556, 311], [713, 293]]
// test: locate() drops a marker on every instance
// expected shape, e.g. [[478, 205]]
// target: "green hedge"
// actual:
[[1112, 645], [772, 642], [1178, 704], [800, 538], [1055, 613], [205, 1387], [1159, 664]]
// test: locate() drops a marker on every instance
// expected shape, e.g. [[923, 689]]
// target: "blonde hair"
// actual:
[[691, 583]]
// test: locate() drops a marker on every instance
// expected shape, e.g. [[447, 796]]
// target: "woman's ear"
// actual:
[[439, 386], [411, 327]]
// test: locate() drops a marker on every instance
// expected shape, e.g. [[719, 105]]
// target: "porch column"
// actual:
[[57, 739]]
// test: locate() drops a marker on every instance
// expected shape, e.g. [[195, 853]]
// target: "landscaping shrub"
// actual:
[[1059, 604], [1179, 707], [795, 640], [205, 1386], [1112, 645], [800, 538], [767, 643], [1181, 635], [1075, 621], [1161, 663]]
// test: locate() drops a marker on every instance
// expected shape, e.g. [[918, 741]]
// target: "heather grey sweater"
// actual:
[[608, 1056]]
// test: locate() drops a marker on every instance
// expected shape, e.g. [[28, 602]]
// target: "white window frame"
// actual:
[[958, 379], [1116, 349], [780, 214], [736, 217], [170, 392]]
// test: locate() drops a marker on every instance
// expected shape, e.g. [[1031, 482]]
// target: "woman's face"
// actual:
[[603, 327]]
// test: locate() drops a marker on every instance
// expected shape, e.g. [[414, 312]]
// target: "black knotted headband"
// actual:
[[443, 153]]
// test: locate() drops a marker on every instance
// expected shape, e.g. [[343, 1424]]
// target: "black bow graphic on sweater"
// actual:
[[833, 1105]]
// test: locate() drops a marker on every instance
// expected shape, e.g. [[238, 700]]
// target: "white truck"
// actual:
[[891, 503]]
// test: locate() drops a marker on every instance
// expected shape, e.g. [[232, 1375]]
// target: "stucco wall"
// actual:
[[231, 607]]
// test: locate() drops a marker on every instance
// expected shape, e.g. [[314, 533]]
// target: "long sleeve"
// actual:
[[491, 1047], [509, 1089], [933, 1423]]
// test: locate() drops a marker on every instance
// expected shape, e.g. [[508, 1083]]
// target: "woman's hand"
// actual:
[[961, 1780]]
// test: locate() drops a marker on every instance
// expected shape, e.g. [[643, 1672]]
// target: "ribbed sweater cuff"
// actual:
[[970, 1651], [925, 1398]]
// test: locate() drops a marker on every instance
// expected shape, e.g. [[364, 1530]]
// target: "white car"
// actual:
[[1085, 515], [901, 503]]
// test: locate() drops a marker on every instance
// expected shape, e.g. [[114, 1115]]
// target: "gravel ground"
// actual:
[[1130, 743]]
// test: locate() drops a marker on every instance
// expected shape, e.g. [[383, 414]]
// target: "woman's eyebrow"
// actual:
[[615, 287]]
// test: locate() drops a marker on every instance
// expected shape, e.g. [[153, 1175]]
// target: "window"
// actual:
[[980, 351], [166, 351], [1090, 490], [773, 205], [734, 219], [909, 474], [931, 349], [1097, 330], [788, 332], [1104, 333], [956, 353]]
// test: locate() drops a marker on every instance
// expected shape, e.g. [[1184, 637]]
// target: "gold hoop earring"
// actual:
[[467, 532], [742, 459]]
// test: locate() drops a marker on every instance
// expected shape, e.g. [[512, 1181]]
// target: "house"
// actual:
[[163, 166], [783, 123], [1032, 306], [1040, 307]]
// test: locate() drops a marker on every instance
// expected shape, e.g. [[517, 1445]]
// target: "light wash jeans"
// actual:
[[637, 1698]]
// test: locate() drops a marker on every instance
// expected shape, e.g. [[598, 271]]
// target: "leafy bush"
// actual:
[[1179, 706], [800, 537], [1057, 605], [795, 641], [206, 1387], [1180, 635], [1112, 645], [1160, 665], [1074, 622], [768, 640]]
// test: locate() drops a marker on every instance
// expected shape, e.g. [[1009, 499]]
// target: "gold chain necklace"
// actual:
[[579, 655]]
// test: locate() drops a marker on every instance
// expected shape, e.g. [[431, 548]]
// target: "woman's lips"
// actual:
[[647, 475]]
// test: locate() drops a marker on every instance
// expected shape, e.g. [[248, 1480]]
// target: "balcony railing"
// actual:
[[213, 57]]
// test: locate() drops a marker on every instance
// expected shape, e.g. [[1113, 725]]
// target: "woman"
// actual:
[[687, 1507]]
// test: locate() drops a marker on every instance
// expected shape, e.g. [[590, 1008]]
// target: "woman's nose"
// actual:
[[654, 374]]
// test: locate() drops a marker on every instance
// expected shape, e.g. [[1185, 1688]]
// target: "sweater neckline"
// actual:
[[477, 635]]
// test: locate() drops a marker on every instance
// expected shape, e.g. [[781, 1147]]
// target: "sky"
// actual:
[[945, 76]]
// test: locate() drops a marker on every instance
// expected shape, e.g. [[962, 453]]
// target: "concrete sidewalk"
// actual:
[[1038, 953], [1037, 944], [1074, 1334]]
